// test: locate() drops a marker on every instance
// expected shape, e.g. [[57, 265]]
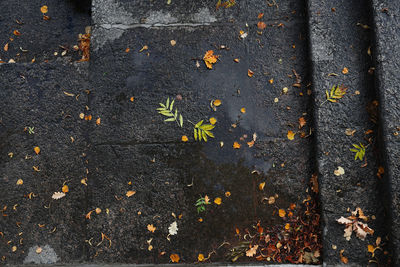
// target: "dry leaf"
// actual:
[[209, 58], [173, 42], [89, 214], [174, 257], [343, 258], [132, 98], [251, 143], [350, 132], [227, 194], [44, 9], [236, 145], [261, 186], [65, 188], [271, 81], [145, 47], [236, 60], [260, 15], [271, 200], [97, 210], [184, 138], [290, 135], [37, 150], [371, 248], [213, 120], [173, 228], [345, 70], [302, 122], [127, 50], [252, 251], [6, 47], [58, 195], [98, 121], [250, 73], [218, 201], [20, 182], [130, 193], [16, 33], [39, 250], [206, 199], [14, 248], [36, 168], [243, 110], [81, 116], [339, 171], [282, 213], [151, 228], [261, 25], [200, 257], [217, 102], [68, 94]]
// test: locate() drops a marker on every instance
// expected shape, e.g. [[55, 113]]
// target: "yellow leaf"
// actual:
[[261, 186], [200, 257], [151, 228], [213, 120], [217, 102], [271, 81], [371, 248], [243, 110], [236, 145], [345, 70], [44, 9], [209, 58], [20, 182], [130, 193], [37, 150], [228, 194], [83, 181], [65, 188], [218, 201], [97, 210], [287, 226], [290, 135], [282, 213], [184, 138], [174, 257]]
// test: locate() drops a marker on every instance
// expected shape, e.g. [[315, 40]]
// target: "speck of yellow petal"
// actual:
[[82, 116], [290, 135], [37, 150], [243, 110], [98, 121], [200, 219], [287, 226], [174, 257], [271, 81], [282, 213], [14, 248], [97, 210], [200, 257], [44, 9], [218, 201], [261, 186], [20, 182], [345, 70], [217, 102], [184, 138], [236, 60], [130, 193], [65, 188], [213, 120], [236, 145], [83, 181], [227, 194], [173, 42], [132, 98], [371, 248], [127, 50]]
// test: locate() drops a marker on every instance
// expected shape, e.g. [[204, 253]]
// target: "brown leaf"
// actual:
[[261, 25], [314, 183], [302, 122], [151, 228], [6, 47], [250, 73], [210, 59]]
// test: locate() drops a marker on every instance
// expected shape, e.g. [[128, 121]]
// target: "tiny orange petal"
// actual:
[[236, 145], [184, 138], [243, 110], [282, 213], [37, 150], [217, 102], [65, 188], [218, 201]]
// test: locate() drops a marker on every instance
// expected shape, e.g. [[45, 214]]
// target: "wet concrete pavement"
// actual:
[[99, 132]]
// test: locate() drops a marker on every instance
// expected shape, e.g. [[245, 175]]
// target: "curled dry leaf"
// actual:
[[339, 171], [174, 257], [65, 188], [250, 73], [236, 145], [261, 186], [6, 47], [58, 195], [210, 59], [252, 251], [151, 228], [37, 150], [353, 223]]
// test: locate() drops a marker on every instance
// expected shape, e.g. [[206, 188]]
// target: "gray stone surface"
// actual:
[[387, 67], [336, 41], [33, 96]]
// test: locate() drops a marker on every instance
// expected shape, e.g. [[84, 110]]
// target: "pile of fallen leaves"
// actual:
[[298, 241]]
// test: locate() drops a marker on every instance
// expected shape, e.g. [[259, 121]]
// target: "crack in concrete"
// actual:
[[155, 25]]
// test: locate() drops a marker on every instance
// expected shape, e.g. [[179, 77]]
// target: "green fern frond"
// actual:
[[167, 110], [201, 131]]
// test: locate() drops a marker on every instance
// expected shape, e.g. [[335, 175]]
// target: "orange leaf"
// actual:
[[127, 50], [236, 60], [217, 102], [88, 214], [17, 33], [250, 73], [371, 248], [282, 213], [251, 143], [213, 120], [37, 150], [132, 98], [236, 145], [6, 47], [174, 257], [184, 138], [130, 193], [98, 121], [260, 15], [209, 58], [243, 110], [290, 135], [287, 226], [261, 186], [252, 251], [227, 194], [345, 70], [261, 25], [218, 201], [302, 122], [151, 228], [65, 188], [44, 9], [200, 257], [20, 182]]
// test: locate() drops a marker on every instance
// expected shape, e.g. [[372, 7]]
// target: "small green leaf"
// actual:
[[167, 104], [195, 134], [198, 124], [170, 119], [181, 120], [204, 136], [199, 134], [172, 105]]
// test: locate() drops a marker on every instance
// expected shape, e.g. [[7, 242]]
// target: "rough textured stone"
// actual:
[[33, 96], [387, 67], [337, 42]]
